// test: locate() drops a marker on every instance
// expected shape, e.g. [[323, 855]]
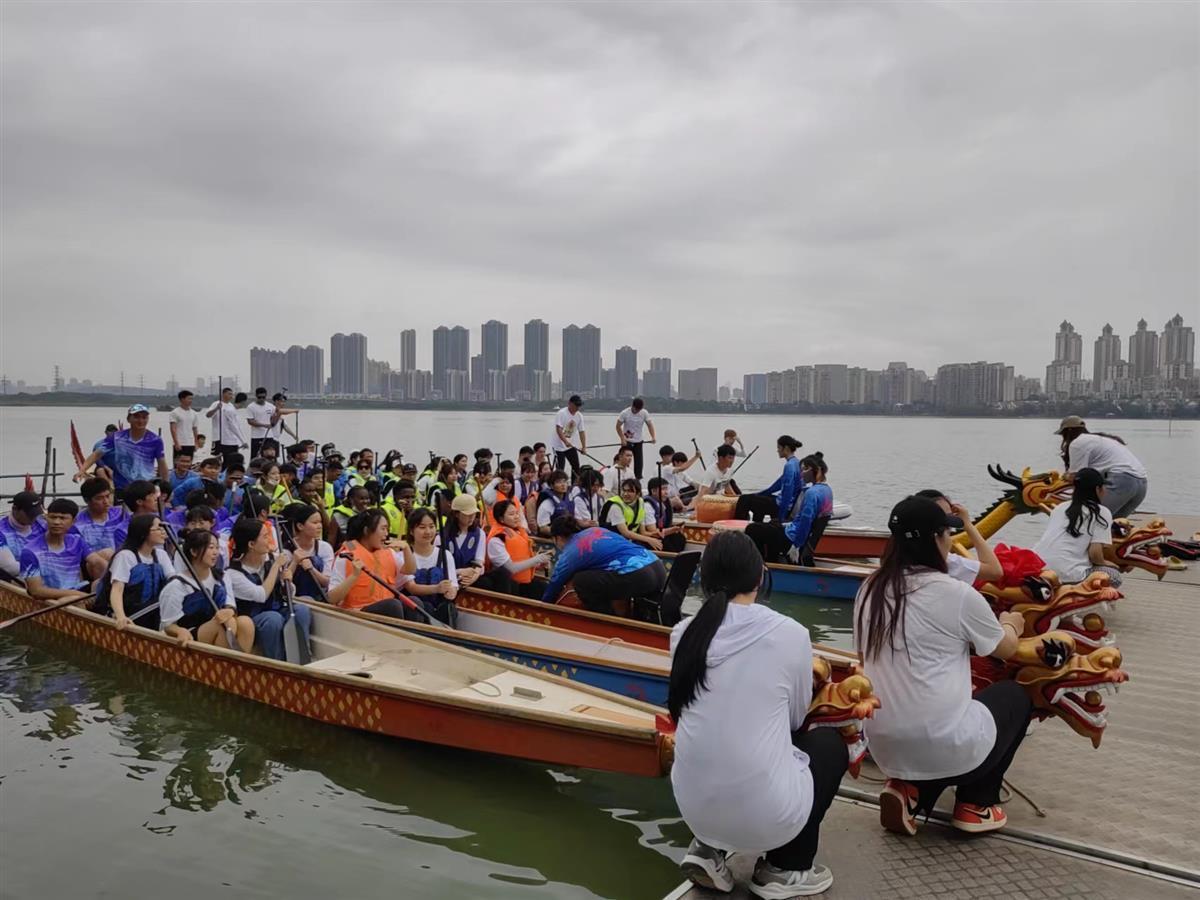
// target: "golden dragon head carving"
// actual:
[[1046, 605], [842, 698], [1136, 545]]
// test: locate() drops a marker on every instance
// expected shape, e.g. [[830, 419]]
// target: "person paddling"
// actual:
[[746, 778]]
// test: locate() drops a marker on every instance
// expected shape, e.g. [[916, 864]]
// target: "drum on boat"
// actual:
[[729, 525], [714, 507]]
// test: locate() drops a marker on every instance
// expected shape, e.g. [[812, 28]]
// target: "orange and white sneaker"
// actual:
[[977, 819], [898, 804]]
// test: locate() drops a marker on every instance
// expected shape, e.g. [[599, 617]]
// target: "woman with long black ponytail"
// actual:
[[745, 777], [1074, 542]]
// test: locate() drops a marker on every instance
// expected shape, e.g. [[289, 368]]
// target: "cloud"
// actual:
[[748, 185]]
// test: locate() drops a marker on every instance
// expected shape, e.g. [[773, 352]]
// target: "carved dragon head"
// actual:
[[1045, 604], [1137, 545], [842, 699], [1030, 493]]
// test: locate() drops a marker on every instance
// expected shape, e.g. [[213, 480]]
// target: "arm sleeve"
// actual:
[[243, 588], [1080, 453], [338, 573], [800, 526], [789, 489], [564, 568], [979, 624], [1101, 530], [122, 566], [30, 566], [170, 604], [800, 667], [544, 510], [773, 486], [497, 554], [8, 562]]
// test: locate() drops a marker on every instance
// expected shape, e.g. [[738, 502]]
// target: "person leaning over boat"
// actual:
[[602, 566], [258, 580], [800, 535], [1078, 537], [778, 500], [511, 562], [434, 582], [916, 627], [185, 606], [746, 778], [53, 563], [1124, 475], [625, 513], [985, 566], [370, 554], [137, 573]]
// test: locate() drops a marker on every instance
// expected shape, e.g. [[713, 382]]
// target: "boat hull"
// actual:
[[350, 702], [842, 543]]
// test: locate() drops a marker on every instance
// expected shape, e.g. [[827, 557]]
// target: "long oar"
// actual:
[[58, 604], [295, 647], [230, 632], [407, 601], [592, 458], [703, 461], [287, 532], [744, 461]]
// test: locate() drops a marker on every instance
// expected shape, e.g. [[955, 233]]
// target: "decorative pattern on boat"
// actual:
[[842, 699]]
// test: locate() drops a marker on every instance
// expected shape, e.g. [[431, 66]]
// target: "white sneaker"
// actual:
[[774, 883], [706, 867]]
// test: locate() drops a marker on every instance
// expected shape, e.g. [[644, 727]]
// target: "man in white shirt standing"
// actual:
[[630, 423], [227, 435], [262, 418], [185, 425], [568, 423], [1124, 475]]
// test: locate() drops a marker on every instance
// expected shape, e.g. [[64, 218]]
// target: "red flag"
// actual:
[[28, 482], [76, 450]]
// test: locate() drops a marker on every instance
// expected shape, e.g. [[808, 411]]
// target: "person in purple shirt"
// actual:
[[53, 563], [97, 524], [208, 470], [141, 498], [22, 524], [602, 566], [137, 453]]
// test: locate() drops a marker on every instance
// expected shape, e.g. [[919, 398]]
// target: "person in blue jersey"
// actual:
[[141, 498], [465, 540], [22, 524], [208, 470], [137, 452], [104, 467], [181, 468], [776, 501], [203, 610], [137, 573], [435, 581], [554, 502], [52, 564], [602, 566], [804, 529], [260, 581], [98, 523]]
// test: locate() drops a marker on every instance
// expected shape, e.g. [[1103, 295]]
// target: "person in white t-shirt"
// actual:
[[985, 566], [1079, 534], [568, 424], [916, 628], [620, 471], [262, 418], [185, 424], [719, 479], [746, 776], [227, 435], [1125, 477], [632, 421]]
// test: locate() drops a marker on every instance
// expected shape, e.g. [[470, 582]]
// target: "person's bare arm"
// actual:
[[1013, 624], [175, 442], [653, 436], [989, 564], [620, 433], [38, 589]]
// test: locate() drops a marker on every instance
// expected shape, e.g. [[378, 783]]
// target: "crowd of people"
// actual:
[[217, 547]]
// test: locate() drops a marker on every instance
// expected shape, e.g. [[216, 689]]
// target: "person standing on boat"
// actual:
[[185, 605], [916, 628], [568, 422], [631, 422], [137, 453], [778, 500], [370, 552], [262, 417], [985, 566], [185, 424], [800, 534], [434, 582], [1124, 475], [602, 566], [227, 435], [730, 439], [259, 581], [1078, 536], [746, 777], [52, 564], [511, 562], [138, 572]]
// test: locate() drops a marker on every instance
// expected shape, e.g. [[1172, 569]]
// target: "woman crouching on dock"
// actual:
[[186, 608], [916, 626], [745, 777]]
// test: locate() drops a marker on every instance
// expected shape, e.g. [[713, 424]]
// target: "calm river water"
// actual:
[[116, 779]]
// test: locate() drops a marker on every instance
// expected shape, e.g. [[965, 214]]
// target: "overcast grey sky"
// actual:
[[748, 185]]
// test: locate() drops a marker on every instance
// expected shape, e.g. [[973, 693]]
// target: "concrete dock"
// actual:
[[1120, 821]]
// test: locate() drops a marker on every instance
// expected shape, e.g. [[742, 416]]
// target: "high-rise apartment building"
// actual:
[[451, 352], [537, 351], [972, 385], [348, 364], [626, 373], [1143, 352], [580, 359], [1068, 344], [1177, 354], [698, 384], [1063, 373], [408, 350], [495, 346], [754, 389], [831, 383], [268, 368], [1106, 354], [656, 381], [305, 370]]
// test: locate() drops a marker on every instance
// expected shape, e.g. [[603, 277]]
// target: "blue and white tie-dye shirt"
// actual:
[[133, 460], [15, 539], [58, 569], [100, 535]]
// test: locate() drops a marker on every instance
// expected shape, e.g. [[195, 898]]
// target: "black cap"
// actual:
[[1090, 478], [27, 502], [920, 517]]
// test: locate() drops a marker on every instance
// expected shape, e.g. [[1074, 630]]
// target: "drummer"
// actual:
[[718, 481]]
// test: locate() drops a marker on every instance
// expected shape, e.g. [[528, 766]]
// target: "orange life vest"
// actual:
[[382, 564], [519, 547]]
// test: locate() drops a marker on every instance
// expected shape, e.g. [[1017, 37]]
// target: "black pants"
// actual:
[[598, 588], [188, 449], [757, 507], [390, 607], [256, 447], [562, 457], [770, 540], [225, 451], [827, 761], [637, 460], [1010, 707]]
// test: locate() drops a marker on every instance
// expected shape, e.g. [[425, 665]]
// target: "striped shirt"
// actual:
[[59, 569]]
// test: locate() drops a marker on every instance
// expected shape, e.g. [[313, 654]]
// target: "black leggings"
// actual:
[[637, 459], [570, 455], [598, 588], [827, 761], [390, 607], [757, 507], [1010, 707], [770, 540]]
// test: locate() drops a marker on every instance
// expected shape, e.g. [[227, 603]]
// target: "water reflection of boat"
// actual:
[[375, 678]]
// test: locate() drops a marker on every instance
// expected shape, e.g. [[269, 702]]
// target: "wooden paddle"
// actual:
[[406, 600], [744, 461], [230, 632], [57, 604]]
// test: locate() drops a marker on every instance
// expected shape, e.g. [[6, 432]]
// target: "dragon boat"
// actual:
[[1065, 668], [383, 680]]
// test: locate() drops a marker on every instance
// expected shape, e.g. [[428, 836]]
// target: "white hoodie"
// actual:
[[739, 783]]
